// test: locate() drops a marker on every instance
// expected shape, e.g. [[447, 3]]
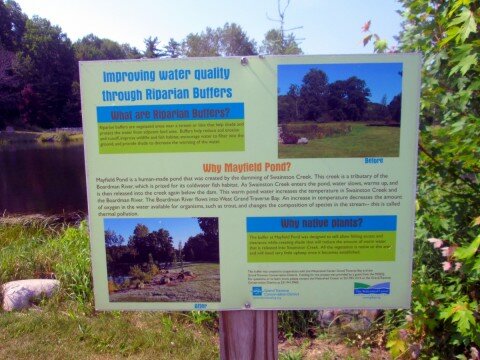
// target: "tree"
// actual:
[[377, 112], [180, 255], [313, 94], [113, 239], [293, 95], [289, 105], [151, 48], [30, 108], [161, 245], [277, 41], [12, 25], [337, 100], [173, 49], [201, 45], [209, 226], [277, 44], [234, 41], [228, 40], [10, 86], [158, 243], [91, 47], [140, 231], [196, 248], [46, 64], [137, 240], [395, 107], [131, 52], [350, 97], [12, 28]]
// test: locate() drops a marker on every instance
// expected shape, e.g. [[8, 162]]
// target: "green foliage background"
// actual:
[[444, 321]]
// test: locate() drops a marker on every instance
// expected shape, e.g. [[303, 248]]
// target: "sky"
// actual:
[[383, 79], [328, 26], [180, 229]]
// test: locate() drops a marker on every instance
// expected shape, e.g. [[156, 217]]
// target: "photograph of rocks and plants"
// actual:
[[145, 265]]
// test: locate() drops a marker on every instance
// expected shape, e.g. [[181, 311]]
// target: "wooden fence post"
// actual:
[[248, 335]]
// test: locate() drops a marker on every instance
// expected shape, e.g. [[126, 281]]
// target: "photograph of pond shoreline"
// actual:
[[163, 259], [343, 110]]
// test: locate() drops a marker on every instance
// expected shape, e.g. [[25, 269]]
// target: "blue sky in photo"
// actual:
[[381, 78], [180, 229]]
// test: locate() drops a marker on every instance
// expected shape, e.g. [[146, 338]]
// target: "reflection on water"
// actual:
[[42, 179]]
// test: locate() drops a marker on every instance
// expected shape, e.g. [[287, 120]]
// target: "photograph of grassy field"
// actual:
[[339, 110], [163, 259], [362, 140]]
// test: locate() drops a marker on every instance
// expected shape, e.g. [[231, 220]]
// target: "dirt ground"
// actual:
[[328, 349]]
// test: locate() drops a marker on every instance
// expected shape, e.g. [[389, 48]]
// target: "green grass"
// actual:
[[49, 334], [40, 250], [205, 287], [362, 141], [67, 326], [300, 323]]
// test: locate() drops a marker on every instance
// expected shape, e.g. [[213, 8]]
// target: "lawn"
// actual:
[[362, 141], [203, 287]]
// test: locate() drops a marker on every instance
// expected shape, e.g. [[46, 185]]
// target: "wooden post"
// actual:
[[248, 335]]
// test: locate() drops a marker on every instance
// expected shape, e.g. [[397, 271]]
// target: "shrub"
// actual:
[[305, 130], [287, 136], [112, 287], [290, 133], [137, 273], [444, 317], [43, 138], [289, 139], [61, 137], [154, 270], [444, 322], [333, 129], [298, 323]]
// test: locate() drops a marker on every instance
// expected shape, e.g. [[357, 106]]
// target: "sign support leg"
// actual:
[[248, 335]]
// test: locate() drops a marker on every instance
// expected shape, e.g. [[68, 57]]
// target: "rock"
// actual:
[[188, 273], [371, 315], [354, 319], [302, 140], [326, 317], [164, 280], [19, 294]]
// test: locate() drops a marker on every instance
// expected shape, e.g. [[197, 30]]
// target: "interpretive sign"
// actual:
[[258, 182]]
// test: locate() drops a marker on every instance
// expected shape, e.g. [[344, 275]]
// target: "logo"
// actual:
[[376, 289], [200, 306], [256, 290]]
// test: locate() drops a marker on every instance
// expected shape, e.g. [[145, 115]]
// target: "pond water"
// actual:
[[48, 179]]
